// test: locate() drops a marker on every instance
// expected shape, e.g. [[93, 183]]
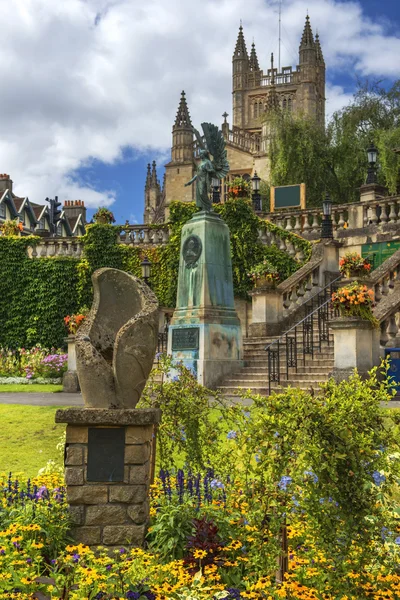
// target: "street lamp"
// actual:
[[256, 198], [372, 153], [327, 225], [216, 190], [146, 269]]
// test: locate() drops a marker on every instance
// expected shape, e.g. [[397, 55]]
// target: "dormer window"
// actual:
[[59, 229], [2, 210]]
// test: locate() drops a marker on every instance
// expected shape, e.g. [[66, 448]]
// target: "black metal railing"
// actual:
[[162, 343], [314, 327]]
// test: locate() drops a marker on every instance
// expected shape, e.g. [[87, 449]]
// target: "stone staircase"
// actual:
[[311, 370]]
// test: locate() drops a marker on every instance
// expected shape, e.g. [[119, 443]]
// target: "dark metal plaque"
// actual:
[[186, 338], [106, 448], [191, 250]]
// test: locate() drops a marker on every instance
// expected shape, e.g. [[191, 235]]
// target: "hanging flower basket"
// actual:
[[354, 265], [265, 275], [104, 216]]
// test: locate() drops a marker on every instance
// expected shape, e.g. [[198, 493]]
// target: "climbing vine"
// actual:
[[36, 294]]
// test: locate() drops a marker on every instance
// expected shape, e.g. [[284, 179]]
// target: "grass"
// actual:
[[28, 438], [30, 387]]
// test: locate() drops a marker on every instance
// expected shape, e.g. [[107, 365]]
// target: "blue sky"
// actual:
[[91, 87]]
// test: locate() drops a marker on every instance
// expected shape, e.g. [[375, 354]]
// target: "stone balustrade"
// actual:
[[47, 248], [356, 215], [268, 237], [134, 235]]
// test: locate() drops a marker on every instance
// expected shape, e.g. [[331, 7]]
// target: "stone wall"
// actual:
[[109, 513]]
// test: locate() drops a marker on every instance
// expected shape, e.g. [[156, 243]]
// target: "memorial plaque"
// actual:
[[186, 338], [192, 249], [106, 448]]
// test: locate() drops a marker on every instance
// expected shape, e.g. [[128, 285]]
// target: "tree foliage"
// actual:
[[335, 159]]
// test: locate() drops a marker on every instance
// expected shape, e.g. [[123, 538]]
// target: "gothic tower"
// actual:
[[152, 195], [299, 91], [240, 68], [180, 169]]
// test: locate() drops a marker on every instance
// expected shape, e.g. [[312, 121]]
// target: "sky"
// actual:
[[90, 88]]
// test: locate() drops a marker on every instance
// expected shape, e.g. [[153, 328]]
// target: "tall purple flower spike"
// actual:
[[116, 344]]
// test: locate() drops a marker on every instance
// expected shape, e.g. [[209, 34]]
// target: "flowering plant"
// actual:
[[264, 272], [355, 300], [33, 363], [73, 322], [103, 215], [354, 264], [239, 188], [9, 228]]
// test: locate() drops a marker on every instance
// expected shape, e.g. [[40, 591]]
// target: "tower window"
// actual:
[[289, 105], [284, 104], [255, 110]]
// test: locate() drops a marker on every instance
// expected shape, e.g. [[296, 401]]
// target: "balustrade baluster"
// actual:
[[288, 226], [365, 215], [297, 225], [384, 336], [306, 222], [378, 294], [374, 215], [34, 252], [61, 249], [290, 248], [392, 213], [300, 255], [391, 330], [165, 233], [385, 286], [282, 244], [146, 238], [392, 279], [341, 221], [384, 217], [69, 249], [315, 222]]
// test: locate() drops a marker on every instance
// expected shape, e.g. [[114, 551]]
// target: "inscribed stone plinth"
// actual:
[[205, 302]]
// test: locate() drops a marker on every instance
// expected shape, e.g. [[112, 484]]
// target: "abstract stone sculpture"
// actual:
[[116, 344]]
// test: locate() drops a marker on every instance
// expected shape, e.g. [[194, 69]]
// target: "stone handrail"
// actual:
[[304, 283], [355, 215], [385, 281], [131, 235], [268, 237]]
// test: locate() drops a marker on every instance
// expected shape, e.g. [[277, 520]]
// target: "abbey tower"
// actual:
[[255, 95]]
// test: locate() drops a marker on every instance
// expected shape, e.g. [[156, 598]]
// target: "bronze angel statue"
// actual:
[[208, 169]]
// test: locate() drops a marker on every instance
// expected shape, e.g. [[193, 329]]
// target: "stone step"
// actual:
[[259, 344], [319, 376], [262, 362], [263, 369], [260, 356], [264, 389], [297, 379]]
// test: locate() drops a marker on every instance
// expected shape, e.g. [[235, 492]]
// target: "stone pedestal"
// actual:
[[70, 378], [354, 346], [267, 311], [107, 473], [205, 332]]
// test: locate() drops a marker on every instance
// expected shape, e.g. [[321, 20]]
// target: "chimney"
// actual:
[[74, 208], [5, 183]]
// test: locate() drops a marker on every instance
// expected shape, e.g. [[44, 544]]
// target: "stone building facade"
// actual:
[[255, 96]]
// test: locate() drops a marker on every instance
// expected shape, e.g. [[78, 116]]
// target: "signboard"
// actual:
[[186, 338], [288, 196], [106, 447], [378, 252]]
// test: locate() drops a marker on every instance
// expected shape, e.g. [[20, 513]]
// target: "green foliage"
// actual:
[[188, 430], [36, 294]]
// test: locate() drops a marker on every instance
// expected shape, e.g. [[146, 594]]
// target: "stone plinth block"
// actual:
[[267, 311], [354, 346], [70, 378], [205, 332], [108, 459]]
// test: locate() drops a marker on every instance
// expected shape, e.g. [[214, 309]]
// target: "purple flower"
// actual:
[[216, 484], [232, 435], [284, 482], [397, 541], [76, 558], [378, 478], [311, 474]]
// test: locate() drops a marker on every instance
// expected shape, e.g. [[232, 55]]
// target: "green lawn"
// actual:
[[30, 387], [28, 438]]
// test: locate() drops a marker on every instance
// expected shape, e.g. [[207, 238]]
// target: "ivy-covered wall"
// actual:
[[36, 294]]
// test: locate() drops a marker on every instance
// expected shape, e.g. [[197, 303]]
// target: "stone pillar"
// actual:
[[370, 192], [70, 378], [107, 473], [205, 332], [354, 346], [267, 311]]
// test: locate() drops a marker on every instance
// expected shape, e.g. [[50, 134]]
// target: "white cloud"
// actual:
[[84, 78]]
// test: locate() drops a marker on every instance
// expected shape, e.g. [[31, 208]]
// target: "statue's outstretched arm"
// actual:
[[191, 181]]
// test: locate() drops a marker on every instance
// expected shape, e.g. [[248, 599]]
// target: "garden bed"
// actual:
[[25, 381]]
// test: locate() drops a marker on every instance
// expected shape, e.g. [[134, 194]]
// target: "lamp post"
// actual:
[[256, 198], [146, 269], [216, 190], [372, 153], [327, 225]]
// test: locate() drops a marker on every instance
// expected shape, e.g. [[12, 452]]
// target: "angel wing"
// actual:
[[216, 146], [199, 138]]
